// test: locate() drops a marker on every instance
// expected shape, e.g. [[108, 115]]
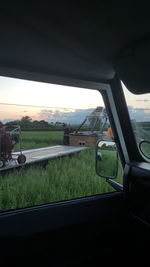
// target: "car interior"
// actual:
[[93, 45]]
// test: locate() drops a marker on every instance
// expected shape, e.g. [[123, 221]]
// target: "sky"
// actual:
[[23, 92], [43, 101], [138, 105]]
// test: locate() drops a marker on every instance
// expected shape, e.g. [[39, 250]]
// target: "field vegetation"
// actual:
[[62, 179], [37, 139]]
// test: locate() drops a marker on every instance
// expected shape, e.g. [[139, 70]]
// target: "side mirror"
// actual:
[[144, 147], [106, 159]]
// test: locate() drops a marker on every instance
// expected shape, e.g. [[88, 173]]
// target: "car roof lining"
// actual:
[[74, 41]]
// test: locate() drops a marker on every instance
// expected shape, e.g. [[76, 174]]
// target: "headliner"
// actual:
[[72, 39]]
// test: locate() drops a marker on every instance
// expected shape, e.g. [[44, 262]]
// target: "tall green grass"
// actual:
[[63, 179], [37, 139]]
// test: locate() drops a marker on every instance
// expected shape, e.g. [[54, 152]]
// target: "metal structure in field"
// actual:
[[41, 156], [91, 129]]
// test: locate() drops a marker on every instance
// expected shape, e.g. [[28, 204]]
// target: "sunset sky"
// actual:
[[51, 102], [24, 92]]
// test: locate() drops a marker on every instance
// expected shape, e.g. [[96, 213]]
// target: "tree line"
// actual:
[[27, 124]]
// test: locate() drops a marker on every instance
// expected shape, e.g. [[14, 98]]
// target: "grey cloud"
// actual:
[[68, 116]]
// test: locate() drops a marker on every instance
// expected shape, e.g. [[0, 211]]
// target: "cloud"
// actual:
[[74, 116]]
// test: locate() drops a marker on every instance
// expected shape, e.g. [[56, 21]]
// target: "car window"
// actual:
[[139, 112], [48, 135]]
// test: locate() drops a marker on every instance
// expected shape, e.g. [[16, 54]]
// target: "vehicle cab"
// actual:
[[95, 49]]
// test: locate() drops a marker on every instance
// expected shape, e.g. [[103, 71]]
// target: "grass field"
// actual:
[[65, 178], [40, 139], [62, 179]]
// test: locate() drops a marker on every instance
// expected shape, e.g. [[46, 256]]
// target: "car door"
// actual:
[[58, 231], [88, 202]]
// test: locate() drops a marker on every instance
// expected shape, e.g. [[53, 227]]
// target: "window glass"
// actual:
[[139, 111], [48, 135]]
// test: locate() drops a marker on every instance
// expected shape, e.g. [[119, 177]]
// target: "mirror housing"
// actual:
[[106, 159], [144, 147]]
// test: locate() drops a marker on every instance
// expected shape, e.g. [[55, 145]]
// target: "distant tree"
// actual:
[[26, 122], [43, 123], [11, 124], [26, 119]]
